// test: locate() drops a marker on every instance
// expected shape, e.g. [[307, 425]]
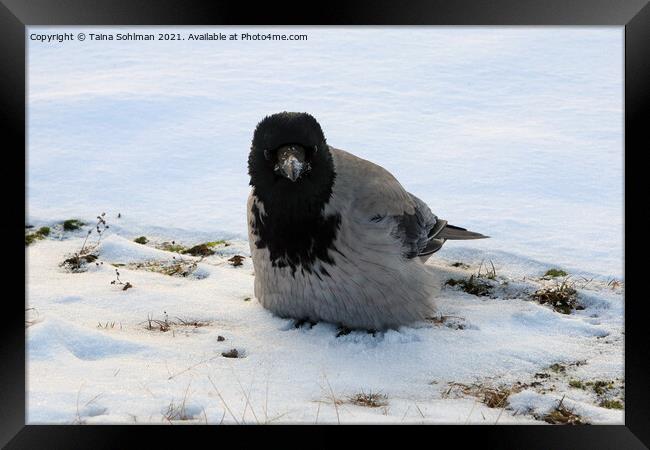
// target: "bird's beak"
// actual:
[[290, 164], [292, 168]]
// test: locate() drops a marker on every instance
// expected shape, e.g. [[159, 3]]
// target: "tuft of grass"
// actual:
[[611, 404], [473, 285], [496, 398], [490, 274], [191, 323], [141, 240], [77, 262], [178, 411], [492, 397], [476, 284], [157, 324], [165, 324], [72, 224], [562, 416], [199, 250], [600, 386], [577, 384], [562, 297], [460, 265], [44, 231], [369, 400], [553, 273]]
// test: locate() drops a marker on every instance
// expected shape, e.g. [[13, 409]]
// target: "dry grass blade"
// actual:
[[334, 400], [247, 397], [190, 367], [223, 401]]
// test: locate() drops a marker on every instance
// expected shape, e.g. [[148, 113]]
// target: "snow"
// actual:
[[511, 132]]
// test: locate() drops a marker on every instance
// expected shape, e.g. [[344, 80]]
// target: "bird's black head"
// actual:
[[292, 174], [290, 157]]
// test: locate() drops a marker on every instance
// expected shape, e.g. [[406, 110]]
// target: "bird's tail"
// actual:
[[442, 232], [452, 232]]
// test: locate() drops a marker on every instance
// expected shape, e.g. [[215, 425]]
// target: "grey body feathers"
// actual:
[[371, 284]]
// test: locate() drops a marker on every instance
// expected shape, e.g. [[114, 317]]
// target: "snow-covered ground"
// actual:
[[512, 132]]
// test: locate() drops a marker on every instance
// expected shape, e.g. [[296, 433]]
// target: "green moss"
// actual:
[[31, 238], [39, 234], [215, 243], [611, 404], [173, 247], [552, 273], [141, 240], [72, 224]]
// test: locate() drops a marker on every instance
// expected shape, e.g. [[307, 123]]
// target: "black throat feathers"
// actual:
[[293, 225]]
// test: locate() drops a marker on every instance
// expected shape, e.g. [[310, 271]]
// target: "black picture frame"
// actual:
[[15, 15]]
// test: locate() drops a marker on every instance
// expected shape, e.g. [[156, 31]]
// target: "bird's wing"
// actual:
[[378, 199], [379, 202], [372, 189], [419, 231]]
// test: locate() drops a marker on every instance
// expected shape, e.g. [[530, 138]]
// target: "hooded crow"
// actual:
[[334, 237]]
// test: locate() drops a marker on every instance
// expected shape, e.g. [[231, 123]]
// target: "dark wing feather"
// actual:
[[417, 231], [422, 233]]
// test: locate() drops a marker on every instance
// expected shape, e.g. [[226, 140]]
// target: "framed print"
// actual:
[[364, 216]]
